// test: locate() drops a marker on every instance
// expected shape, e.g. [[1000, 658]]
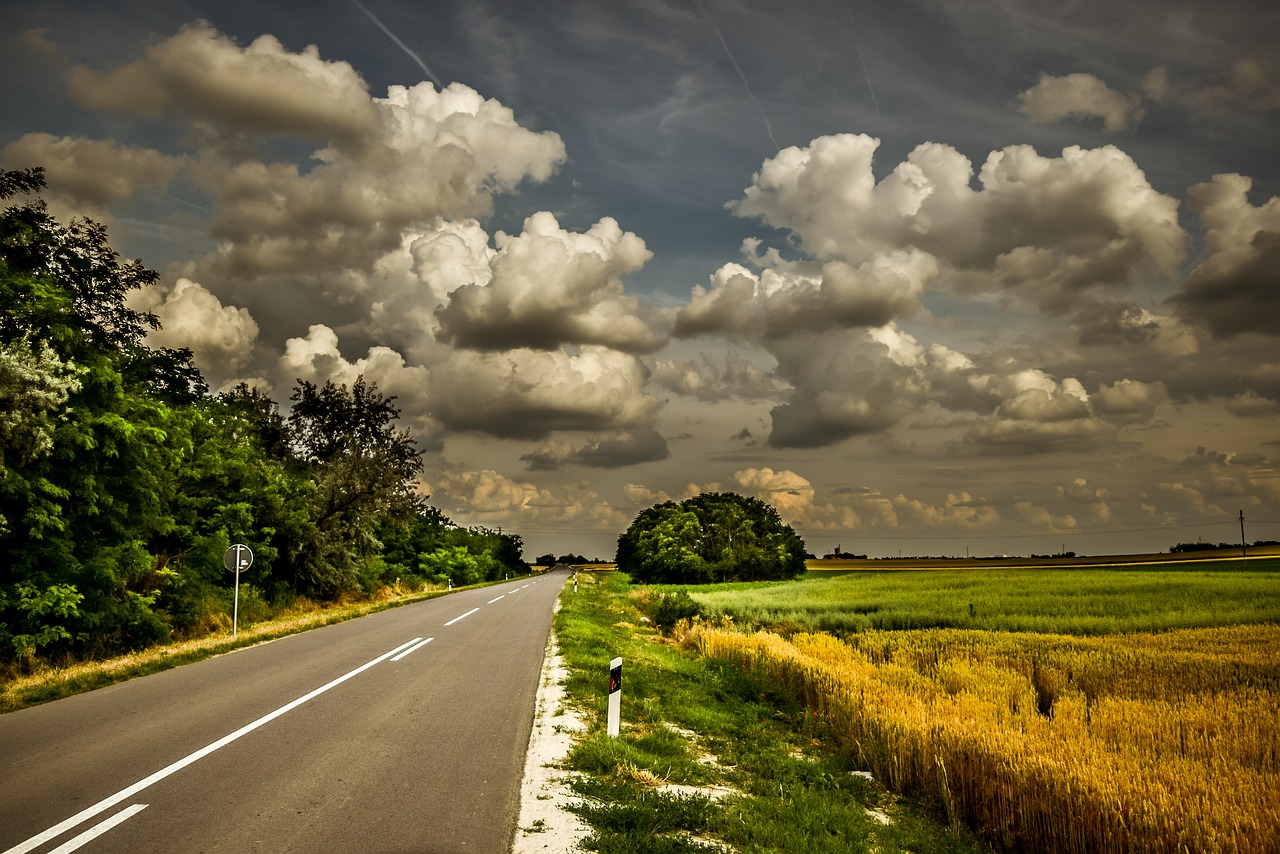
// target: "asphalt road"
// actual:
[[403, 731]]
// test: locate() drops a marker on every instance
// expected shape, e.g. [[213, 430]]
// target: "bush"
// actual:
[[671, 608]]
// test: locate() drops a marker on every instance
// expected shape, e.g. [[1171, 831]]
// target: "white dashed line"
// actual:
[[462, 616]]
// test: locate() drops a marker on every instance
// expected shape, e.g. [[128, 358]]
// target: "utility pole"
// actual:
[[1244, 551]]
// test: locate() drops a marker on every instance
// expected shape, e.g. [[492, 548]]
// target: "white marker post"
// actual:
[[615, 697], [238, 557]]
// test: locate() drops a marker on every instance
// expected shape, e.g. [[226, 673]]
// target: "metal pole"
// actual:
[[235, 608]]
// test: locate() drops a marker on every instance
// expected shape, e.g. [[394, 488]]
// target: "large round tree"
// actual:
[[715, 536]]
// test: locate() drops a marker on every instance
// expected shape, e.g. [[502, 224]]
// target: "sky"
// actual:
[[929, 277]]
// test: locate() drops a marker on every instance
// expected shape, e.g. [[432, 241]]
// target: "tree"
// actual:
[[715, 536], [122, 481], [34, 384], [83, 493], [363, 467]]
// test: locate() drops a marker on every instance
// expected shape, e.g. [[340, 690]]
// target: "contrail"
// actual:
[[848, 8], [767, 126], [204, 208], [404, 47]]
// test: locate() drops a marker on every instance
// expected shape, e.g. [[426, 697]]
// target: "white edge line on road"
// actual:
[[98, 829], [417, 646], [450, 623], [126, 793], [491, 601]]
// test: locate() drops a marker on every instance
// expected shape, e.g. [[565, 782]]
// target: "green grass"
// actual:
[[697, 723], [1093, 601]]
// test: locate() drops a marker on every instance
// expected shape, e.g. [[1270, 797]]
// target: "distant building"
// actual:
[[840, 554]]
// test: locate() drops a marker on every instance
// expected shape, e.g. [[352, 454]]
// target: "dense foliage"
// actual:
[[715, 536], [123, 480]]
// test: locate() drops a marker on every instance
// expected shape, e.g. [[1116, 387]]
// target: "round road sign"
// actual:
[[238, 557]]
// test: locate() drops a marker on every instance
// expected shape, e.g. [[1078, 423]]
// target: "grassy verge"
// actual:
[[48, 682], [710, 758]]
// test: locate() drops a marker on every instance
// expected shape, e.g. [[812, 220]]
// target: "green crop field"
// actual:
[[1079, 601]]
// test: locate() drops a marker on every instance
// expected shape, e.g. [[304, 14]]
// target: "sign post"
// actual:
[[615, 697], [238, 557]]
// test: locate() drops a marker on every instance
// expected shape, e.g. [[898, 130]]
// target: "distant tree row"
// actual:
[[123, 480], [569, 559], [715, 536], [1200, 547]]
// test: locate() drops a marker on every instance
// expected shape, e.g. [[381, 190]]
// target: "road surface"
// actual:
[[404, 731]]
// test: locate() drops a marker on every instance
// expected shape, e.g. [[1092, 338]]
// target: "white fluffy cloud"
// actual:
[[789, 493], [782, 302], [531, 393], [551, 287], [709, 380], [1080, 96], [431, 154], [317, 358], [1049, 228], [220, 337]]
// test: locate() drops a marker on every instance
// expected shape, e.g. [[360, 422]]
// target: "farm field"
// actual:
[[1049, 709], [1060, 600]]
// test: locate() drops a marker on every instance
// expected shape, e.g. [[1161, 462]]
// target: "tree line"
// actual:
[[123, 479]]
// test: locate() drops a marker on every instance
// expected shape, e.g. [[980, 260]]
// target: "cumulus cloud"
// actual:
[[220, 337], [850, 510], [782, 302], [481, 496], [1080, 96], [709, 380], [383, 168], [406, 285], [261, 88], [789, 493], [1048, 228], [528, 394], [1129, 401], [846, 383], [617, 450], [317, 358], [433, 154], [551, 287], [1250, 404], [1133, 325], [1234, 290], [89, 173]]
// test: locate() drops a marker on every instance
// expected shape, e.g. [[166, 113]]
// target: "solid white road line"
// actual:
[[462, 616], [419, 645], [126, 793]]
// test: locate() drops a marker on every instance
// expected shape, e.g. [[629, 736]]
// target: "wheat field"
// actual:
[[1155, 742]]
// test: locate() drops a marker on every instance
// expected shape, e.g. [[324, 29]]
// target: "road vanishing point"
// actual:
[[403, 731]]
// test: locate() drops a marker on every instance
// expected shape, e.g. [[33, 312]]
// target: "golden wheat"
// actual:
[[1149, 743]]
